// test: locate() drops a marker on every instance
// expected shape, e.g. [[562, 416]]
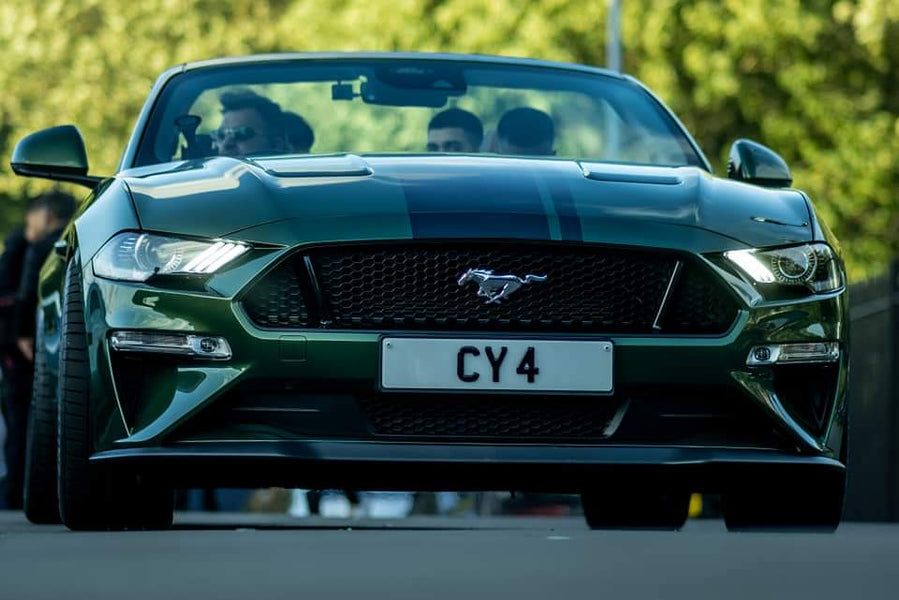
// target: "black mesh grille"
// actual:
[[700, 305], [514, 417], [277, 299], [415, 287]]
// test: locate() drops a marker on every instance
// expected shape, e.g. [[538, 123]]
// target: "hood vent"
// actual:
[[338, 165]]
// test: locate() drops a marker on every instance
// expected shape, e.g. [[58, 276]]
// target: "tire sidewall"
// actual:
[[81, 497], [41, 498]]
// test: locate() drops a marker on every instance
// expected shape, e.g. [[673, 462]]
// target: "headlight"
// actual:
[[811, 265], [134, 256]]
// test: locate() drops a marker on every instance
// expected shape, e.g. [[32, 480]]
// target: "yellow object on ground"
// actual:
[[695, 505]]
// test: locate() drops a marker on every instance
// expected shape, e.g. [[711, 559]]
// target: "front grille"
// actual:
[[277, 300], [513, 417], [415, 287], [699, 305]]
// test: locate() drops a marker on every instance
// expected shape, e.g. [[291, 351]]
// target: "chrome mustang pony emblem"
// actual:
[[496, 287]]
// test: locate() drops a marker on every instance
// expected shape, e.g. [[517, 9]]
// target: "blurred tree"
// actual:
[[818, 80]]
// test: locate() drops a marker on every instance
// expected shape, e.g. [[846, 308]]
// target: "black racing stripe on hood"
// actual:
[[569, 221], [471, 207]]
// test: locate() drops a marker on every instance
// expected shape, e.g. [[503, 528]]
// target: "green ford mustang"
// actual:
[[434, 272]]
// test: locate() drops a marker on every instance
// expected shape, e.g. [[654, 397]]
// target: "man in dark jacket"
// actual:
[[47, 215], [14, 247]]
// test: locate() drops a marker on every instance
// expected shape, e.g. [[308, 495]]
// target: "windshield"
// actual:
[[409, 106]]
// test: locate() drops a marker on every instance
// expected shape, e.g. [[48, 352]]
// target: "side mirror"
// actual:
[[56, 153], [753, 163]]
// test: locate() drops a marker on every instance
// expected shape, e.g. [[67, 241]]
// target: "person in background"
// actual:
[[14, 247], [455, 130], [526, 132], [47, 216], [251, 124], [300, 136]]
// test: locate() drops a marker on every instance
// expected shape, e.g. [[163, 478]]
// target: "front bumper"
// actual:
[[424, 467], [162, 408]]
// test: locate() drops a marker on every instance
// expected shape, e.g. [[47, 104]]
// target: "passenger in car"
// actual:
[[525, 131], [455, 130], [300, 136], [251, 124]]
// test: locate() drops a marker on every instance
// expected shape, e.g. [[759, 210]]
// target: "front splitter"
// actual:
[[427, 466]]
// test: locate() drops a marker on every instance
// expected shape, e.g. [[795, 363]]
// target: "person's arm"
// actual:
[[26, 296], [14, 247]]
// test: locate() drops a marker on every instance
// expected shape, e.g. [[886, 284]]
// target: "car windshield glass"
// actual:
[[410, 106]]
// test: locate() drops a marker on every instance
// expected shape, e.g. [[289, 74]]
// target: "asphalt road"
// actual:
[[248, 556]]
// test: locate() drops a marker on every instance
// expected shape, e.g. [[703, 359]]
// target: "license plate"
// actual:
[[410, 363]]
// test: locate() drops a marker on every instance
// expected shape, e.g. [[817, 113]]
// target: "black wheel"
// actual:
[[41, 502], [624, 507], [799, 501], [92, 498]]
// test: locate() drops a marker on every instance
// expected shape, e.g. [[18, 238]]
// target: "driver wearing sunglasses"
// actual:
[[250, 125]]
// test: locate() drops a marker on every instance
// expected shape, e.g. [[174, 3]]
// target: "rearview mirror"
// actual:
[[376, 92], [56, 153], [754, 163]]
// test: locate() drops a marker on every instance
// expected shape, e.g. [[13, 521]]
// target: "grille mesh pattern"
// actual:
[[277, 299], [507, 418], [699, 306], [417, 287]]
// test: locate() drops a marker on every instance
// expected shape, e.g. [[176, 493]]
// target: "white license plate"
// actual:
[[411, 363]]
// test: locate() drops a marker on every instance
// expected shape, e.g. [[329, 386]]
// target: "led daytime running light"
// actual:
[[183, 344], [135, 256], [798, 353], [749, 262]]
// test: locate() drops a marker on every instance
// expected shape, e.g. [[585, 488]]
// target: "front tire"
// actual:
[[91, 498], [799, 501], [41, 502]]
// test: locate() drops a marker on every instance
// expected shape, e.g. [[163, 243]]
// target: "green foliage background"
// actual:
[[817, 80]]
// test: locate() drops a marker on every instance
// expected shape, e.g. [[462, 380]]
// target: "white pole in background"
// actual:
[[613, 37], [611, 150]]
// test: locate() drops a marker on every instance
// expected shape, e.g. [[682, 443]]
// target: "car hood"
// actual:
[[307, 199]]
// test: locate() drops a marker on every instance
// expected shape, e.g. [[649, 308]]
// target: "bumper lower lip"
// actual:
[[406, 452], [386, 465]]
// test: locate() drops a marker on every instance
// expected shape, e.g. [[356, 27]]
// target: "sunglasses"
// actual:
[[238, 134]]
